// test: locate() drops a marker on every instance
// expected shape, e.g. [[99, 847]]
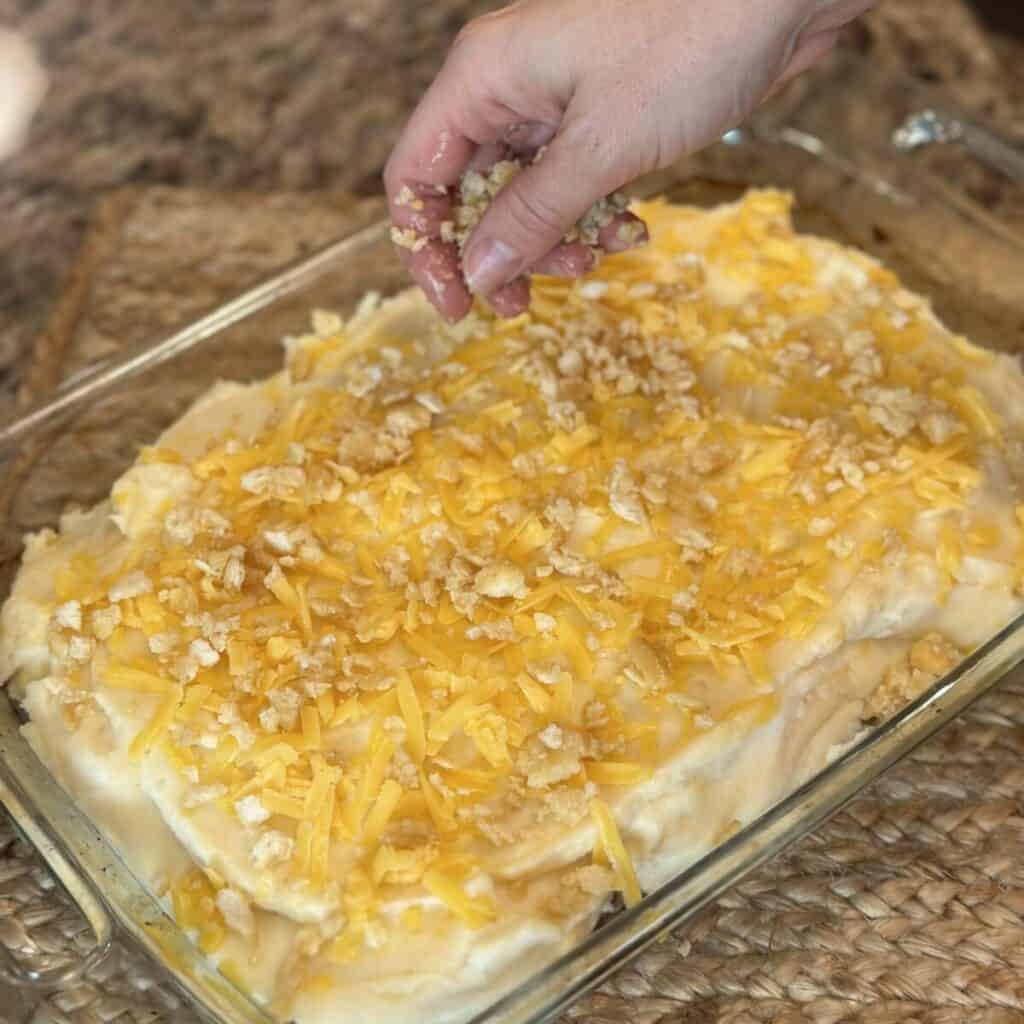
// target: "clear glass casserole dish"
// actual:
[[851, 184]]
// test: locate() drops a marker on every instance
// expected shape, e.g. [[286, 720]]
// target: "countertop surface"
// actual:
[[310, 94]]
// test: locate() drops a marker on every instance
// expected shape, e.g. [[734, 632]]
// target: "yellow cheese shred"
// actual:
[[158, 724], [412, 714], [474, 912], [615, 851], [380, 814]]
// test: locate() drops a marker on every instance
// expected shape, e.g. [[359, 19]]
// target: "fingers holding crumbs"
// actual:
[[485, 122], [504, 229], [435, 226], [568, 259], [419, 211], [434, 266], [544, 109], [624, 231], [423, 230]]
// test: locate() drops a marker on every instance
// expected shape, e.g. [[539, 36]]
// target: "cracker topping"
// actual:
[[469, 587]]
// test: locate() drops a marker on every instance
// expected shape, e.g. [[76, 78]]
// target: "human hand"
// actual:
[[611, 90]]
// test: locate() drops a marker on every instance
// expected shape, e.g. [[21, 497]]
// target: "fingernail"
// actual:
[[490, 266]]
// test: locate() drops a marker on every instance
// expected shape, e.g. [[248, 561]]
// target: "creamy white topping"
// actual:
[[387, 672]]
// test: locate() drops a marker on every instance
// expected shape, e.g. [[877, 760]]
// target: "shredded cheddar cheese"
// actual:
[[615, 851], [465, 590], [475, 912]]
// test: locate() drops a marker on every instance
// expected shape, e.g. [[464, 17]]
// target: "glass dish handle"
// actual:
[[59, 860], [935, 126]]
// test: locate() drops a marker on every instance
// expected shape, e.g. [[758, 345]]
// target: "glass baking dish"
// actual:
[[854, 186]]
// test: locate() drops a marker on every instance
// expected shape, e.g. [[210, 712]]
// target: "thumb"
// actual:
[[531, 214]]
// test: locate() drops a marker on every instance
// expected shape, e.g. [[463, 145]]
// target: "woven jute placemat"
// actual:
[[908, 906]]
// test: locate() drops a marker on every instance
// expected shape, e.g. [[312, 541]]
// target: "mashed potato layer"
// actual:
[[388, 672]]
